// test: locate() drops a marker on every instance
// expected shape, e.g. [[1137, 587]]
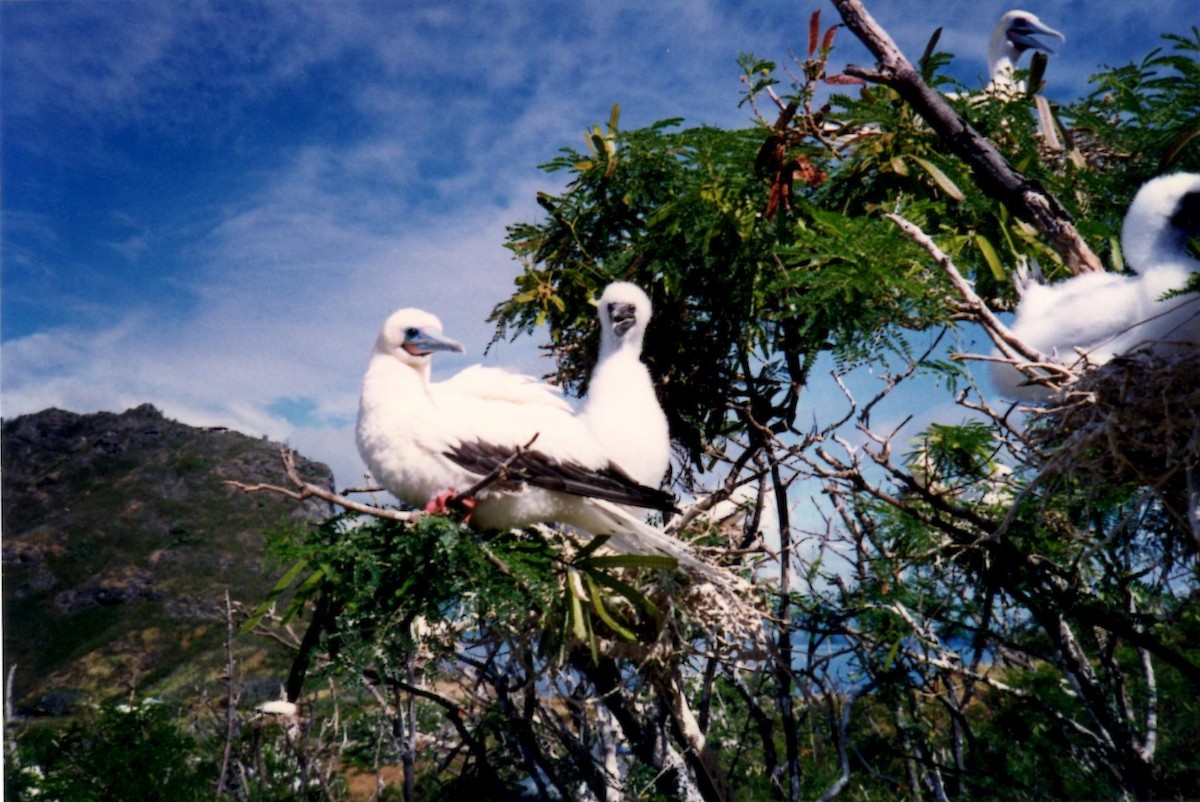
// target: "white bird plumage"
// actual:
[[498, 384], [1163, 218], [1107, 314], [421, 438], [621, 408]]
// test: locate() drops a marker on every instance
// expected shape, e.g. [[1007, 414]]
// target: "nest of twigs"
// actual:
[[1134, 421]]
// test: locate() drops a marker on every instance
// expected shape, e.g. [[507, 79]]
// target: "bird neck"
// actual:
[[630, 344], [1002, 65], [1146, 251], [398, 380]]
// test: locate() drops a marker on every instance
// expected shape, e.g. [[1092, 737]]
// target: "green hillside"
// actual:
[[120, 541]]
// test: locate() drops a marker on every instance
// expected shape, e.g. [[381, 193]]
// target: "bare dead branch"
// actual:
[[231, 700], [1037, 367], [306, 490], [999, 333], [699, 754]]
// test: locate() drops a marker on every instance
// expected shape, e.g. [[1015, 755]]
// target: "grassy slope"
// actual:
[[121, 540]]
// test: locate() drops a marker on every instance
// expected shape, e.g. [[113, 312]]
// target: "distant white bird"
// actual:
[[1012, 36], [1106, 314], [621, 408], [279, 707], [423, 441]]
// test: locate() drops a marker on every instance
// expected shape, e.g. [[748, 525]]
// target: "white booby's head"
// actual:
[[413, 336], [1012, 36], [1164, 216], [624, 314]]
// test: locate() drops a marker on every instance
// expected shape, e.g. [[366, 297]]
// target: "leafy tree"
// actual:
[[123, 752], [975, 605]]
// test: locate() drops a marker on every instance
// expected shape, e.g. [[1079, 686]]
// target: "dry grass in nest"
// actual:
[[1133, 421]]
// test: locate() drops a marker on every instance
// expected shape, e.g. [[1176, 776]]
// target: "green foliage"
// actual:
[[681, 214], [596, 603], [1146, 112], [120, 752], [677, 202], [378, 583]]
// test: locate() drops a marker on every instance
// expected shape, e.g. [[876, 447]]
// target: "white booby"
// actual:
[[1012, 36], [1106, 314], [420, 439], [621, 408]]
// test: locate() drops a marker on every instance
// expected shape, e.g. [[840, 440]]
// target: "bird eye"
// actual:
[[411, 333]]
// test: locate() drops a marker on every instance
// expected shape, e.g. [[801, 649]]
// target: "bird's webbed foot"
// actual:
[[449, 501]]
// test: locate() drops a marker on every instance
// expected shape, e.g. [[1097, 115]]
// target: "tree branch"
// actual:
[[306, 490], [1017, 353], [699, 754], [231, 700]]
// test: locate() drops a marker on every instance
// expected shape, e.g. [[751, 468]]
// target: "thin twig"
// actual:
[[999, 333], [1015, 351], [306, 490], [9, 710], [497, 474], [231, 707]]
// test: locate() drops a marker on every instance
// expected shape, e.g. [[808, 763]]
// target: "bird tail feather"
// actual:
[[631, 535]]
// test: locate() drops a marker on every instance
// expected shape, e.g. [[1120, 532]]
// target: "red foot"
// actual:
[[437, 504], [440, 504]]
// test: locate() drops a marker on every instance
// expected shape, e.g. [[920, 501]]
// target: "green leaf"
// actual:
[[942, 180], [575, 615], [303, 592], [590, 549], [660, 561], [601, 609], [990, 256], [925, 62], [276, 591], [636, 597]]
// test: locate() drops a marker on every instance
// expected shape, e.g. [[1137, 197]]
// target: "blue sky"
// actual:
[[213, 206]]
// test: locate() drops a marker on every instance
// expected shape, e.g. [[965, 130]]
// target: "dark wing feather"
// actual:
[[539, 470]]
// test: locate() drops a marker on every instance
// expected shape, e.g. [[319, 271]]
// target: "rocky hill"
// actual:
[[120, 539]]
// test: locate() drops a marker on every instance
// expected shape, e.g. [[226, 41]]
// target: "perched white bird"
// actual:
[[424, 440], [621, 408], [279, 707], [1012, 36], [1106, 314]]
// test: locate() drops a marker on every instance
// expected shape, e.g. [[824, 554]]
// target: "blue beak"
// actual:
[[1022, 31], [426, 342]]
